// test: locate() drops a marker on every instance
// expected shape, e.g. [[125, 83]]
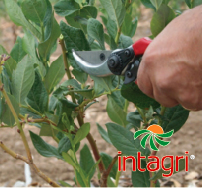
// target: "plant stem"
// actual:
[[126, 106], [34, 167], [93, 146], [153, 182], [107, 172], [80, 114], [142, 115], [42, 31], [118, 35], [17, 122], [118, 174], [64, 52]]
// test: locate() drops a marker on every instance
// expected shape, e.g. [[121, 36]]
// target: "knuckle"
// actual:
[[163, 84]]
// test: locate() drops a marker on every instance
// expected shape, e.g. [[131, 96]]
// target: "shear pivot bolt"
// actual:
[[127, 53], [129, 74], [113, 63]]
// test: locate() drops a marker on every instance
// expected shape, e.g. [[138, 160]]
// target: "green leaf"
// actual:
[[38, 96], [115, 9], [22, 80], [80, 179], [192, 4], [123, 140], [45, 47], [129, 29], [134, 118], [133, 94], [6, 81], [44, 148], [47, 130], [65, 106], [141, 179], [82, 133], [66, 7], [80, 76], [79, 18], [74, 38], [18, 17], [111, 27], [48, 13], [86, 161], [55, 73], [87, 93], [160, 173], [107, 159], [17, 53], [103, 134], [34, 10], [52, 103], [156, 3], [7, 116], [96, 31], [125, 41], [161, 19], [28, 45], [64, 145], [68, 159], [9, 64], [115, 112], [148, 4], [104, 82], [64, 184], [188, 2], [71, 82], [174, 118]]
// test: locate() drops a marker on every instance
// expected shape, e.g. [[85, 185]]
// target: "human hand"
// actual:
[[171, 68]]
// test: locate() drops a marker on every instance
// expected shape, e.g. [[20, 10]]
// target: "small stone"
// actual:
[[191, 176]]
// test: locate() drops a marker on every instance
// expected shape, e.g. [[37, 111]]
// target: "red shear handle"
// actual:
[[141, 45]]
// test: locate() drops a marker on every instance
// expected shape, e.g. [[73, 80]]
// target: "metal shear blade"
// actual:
[[93, 62]]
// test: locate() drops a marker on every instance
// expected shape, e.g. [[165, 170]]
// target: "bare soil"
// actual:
[[189, 138]]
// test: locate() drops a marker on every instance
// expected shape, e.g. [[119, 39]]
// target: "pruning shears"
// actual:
[[122, 62]]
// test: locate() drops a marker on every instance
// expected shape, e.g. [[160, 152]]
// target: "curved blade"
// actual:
[[91, 63]]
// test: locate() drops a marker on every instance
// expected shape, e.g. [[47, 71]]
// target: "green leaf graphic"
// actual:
[[138, 133], [161, 142], [152, 144], [166, 135], [144, 140]]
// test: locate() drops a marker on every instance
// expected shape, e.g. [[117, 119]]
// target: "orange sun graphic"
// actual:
[[155, 129]]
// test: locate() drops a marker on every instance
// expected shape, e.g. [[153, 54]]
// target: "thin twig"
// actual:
[[32, 165]]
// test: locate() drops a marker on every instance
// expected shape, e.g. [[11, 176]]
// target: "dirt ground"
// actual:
[[187, 139]]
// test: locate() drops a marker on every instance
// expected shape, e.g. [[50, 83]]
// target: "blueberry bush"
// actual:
[[32, 90]]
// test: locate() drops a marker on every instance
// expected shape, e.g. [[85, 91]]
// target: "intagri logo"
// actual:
[[154, 134], [154, 164]]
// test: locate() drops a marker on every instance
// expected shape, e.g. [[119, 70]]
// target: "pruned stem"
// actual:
[[32, 165], [107, 171], [80, 114]]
